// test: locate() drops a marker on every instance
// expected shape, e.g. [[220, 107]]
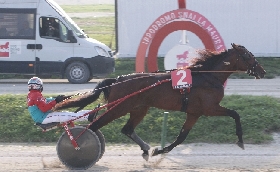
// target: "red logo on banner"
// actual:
[[181, 78], [4, 50], [182, 60]]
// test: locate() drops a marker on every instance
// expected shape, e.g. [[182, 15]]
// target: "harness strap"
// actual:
[[185, 99]]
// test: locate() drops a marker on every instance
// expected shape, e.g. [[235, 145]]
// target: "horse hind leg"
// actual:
[[136, 117], [129, 132]]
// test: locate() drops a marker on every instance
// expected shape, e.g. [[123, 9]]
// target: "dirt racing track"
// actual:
[[191, 158]]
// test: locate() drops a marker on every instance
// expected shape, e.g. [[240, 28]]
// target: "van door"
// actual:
[[17, 40], [55, 46]]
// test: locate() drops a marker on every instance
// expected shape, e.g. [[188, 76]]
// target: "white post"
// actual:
[[184, 37]]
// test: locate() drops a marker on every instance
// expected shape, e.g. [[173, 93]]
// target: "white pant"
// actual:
[[65, 116]]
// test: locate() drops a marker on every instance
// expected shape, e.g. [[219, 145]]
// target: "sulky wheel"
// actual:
[[86, 156], [101, 139], [102, 142]]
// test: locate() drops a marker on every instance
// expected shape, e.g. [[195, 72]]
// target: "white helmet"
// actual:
[[35, 83]]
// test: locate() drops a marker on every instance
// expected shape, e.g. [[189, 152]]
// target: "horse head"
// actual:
[[248, 62]]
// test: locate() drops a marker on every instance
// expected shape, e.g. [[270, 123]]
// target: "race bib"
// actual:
[[181, 79]]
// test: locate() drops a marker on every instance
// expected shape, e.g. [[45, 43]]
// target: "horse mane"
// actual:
[[207, 59]]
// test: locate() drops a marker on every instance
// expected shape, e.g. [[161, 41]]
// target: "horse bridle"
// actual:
[[250, 68]]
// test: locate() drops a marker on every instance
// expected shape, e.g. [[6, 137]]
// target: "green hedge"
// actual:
[[260, 115]]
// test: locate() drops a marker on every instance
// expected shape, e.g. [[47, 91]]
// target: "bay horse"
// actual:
[[209, 72]]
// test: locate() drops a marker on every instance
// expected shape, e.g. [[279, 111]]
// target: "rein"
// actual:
[[220, 71], [83, 93], [78, 94], [203, 71]]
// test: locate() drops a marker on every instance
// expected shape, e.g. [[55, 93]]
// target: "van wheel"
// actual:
[[77, 73]]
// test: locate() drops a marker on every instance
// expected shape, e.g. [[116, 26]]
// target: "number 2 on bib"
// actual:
[[181, 78]]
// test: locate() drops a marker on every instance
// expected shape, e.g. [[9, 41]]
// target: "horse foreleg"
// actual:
[[236, 117], [189, 123], [222, 111]]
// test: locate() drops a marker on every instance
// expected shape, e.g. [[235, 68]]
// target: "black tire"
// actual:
[[77, 73], [102, 142], [86, 156]]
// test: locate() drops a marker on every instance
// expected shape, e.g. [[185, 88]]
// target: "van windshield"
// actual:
[[73, 26]]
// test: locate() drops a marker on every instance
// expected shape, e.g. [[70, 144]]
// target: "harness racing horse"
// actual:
[[209, 73]]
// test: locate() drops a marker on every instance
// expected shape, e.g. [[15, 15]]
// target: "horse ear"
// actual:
[[246, 53]]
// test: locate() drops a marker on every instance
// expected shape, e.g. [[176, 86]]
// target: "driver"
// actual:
[[40, 108]]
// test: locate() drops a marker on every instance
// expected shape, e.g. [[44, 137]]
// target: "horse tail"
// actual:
[[84, 100]]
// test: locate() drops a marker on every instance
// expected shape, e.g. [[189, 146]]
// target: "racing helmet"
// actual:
[[35, 83]]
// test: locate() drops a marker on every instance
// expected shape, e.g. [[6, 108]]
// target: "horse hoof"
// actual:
[[145, 156], [155, 152], [241, 145]]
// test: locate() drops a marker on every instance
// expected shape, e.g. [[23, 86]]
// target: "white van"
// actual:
[[38, 37]]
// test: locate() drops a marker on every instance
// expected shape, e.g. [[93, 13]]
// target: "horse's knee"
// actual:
[[234, 115]]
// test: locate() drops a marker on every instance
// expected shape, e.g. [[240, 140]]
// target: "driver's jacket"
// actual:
[[38, 106]]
